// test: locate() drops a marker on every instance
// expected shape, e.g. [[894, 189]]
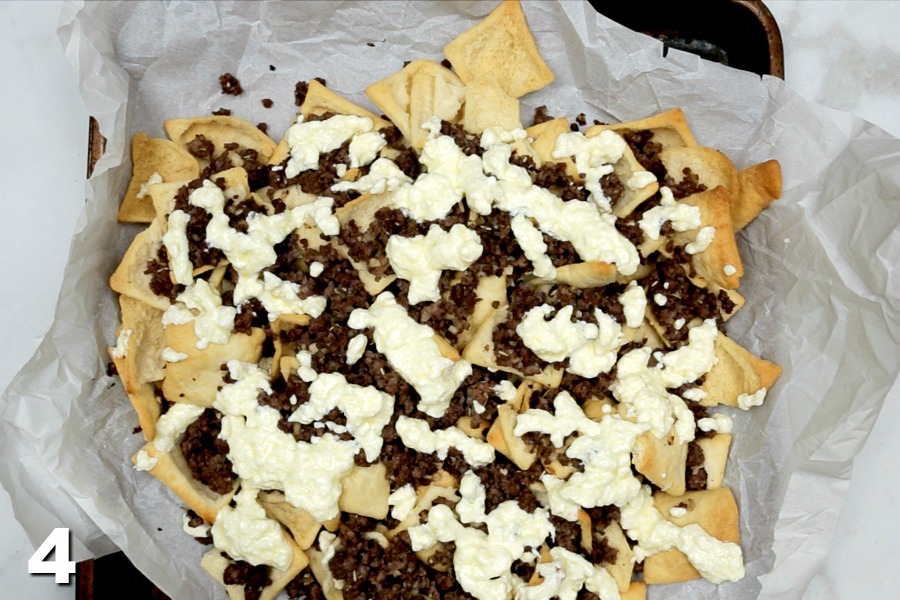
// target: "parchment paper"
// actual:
[[821, 287]]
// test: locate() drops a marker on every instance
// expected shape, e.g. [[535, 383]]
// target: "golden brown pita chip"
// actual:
[[129, 278], [662, 461], [365, 491], [488, 105], [760, 185], [196, 379], [714, 510], [149, 156], [715, 458], [142, 362], [669, 129], [737, 372], [301, 524], [721, 262], [502, 43], [623, 566], [320, 100], [172, 469], [221, 130]]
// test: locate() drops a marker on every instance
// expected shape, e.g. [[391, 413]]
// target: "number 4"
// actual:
[[60, 566]]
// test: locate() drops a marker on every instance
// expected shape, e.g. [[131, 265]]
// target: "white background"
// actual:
[[842, 54]]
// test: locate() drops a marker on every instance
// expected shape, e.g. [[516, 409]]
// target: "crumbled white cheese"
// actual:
[[384, 176], [679, 323], [729, 270], [121, 347], [594, 157], [533, 246], [694, 394], [402, 501], [305, 370], [144, 462], [278, 297], [213, 322], [173, 423], [634, 304], [505, 390], [356, 347], [171, 355], [200, 531], [413, 352], [246, 533], [565, 575], [716, 422], [683, 217], [678, 511], [364, 148], [176, 243], [154, 178], [421, 259], [640, 179], [366, 409], [716, 561], [704, 238], [603, 447], [316, 268], [308, 139], [591, 348], [659, 299], [417, 435], [748, 401]]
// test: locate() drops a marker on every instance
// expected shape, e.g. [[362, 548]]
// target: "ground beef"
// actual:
[[541, 115], [504, 481], [646, 151], [222, 112], [469, 143], [206, 454], [160, 275], [267, 102], [304, 587], [230, 85], [252, 578], [201, 147], [301, 89], [695, 473], [393, 573], [689, 184]]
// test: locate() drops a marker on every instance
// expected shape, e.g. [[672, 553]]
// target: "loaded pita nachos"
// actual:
[[437, 348]]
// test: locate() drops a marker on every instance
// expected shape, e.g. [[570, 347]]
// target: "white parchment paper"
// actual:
[[821, 286]]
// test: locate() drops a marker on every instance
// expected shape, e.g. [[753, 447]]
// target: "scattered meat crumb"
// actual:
[[222, 112], [264, 127], [230, 85], [267, 102], [271, 67]]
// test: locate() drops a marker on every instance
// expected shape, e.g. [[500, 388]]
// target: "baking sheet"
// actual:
[[822, 299]]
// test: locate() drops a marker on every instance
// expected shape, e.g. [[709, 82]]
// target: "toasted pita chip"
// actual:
[[760, 185], [146, 404], [142, 362], [362, 211], [303, 527], [129, 278], [637, 591], [714, 510], [623, 566], [584, 274], [544, 142], [713, 263], [711, 167], [196, 379], [172, 470], [215, 562], [439, 93], [365, 491], [504, 441], [502, 43], [153, 156], [662, 461], [669, 129], [323, 575], [736, 372], [221, 130], [715, 458], [488, 105], [320, 100]]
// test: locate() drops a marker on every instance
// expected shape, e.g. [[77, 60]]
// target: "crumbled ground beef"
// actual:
[[206, 454], [695, 473], [230, 85], [252, 578], [222, 112], [541, 115], [301, 89]]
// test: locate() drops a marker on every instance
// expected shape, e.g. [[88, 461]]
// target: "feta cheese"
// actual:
[[533, 246], [144, 191], [421, 259], [640, 179], [729, 270], [659, 299], [308, 139], [121, 347], [413, 352], [356, 347], [171, 355], [748, 401], [716, 422], [144, 462], [173, 423], [505, 390], [316, 268], [200, 531], [364, 148], [594, 157], [402, 501], [634, 304], [417, 435], [704, 238], [682, 216], [246, 533], [202, 304], [176, 243]]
